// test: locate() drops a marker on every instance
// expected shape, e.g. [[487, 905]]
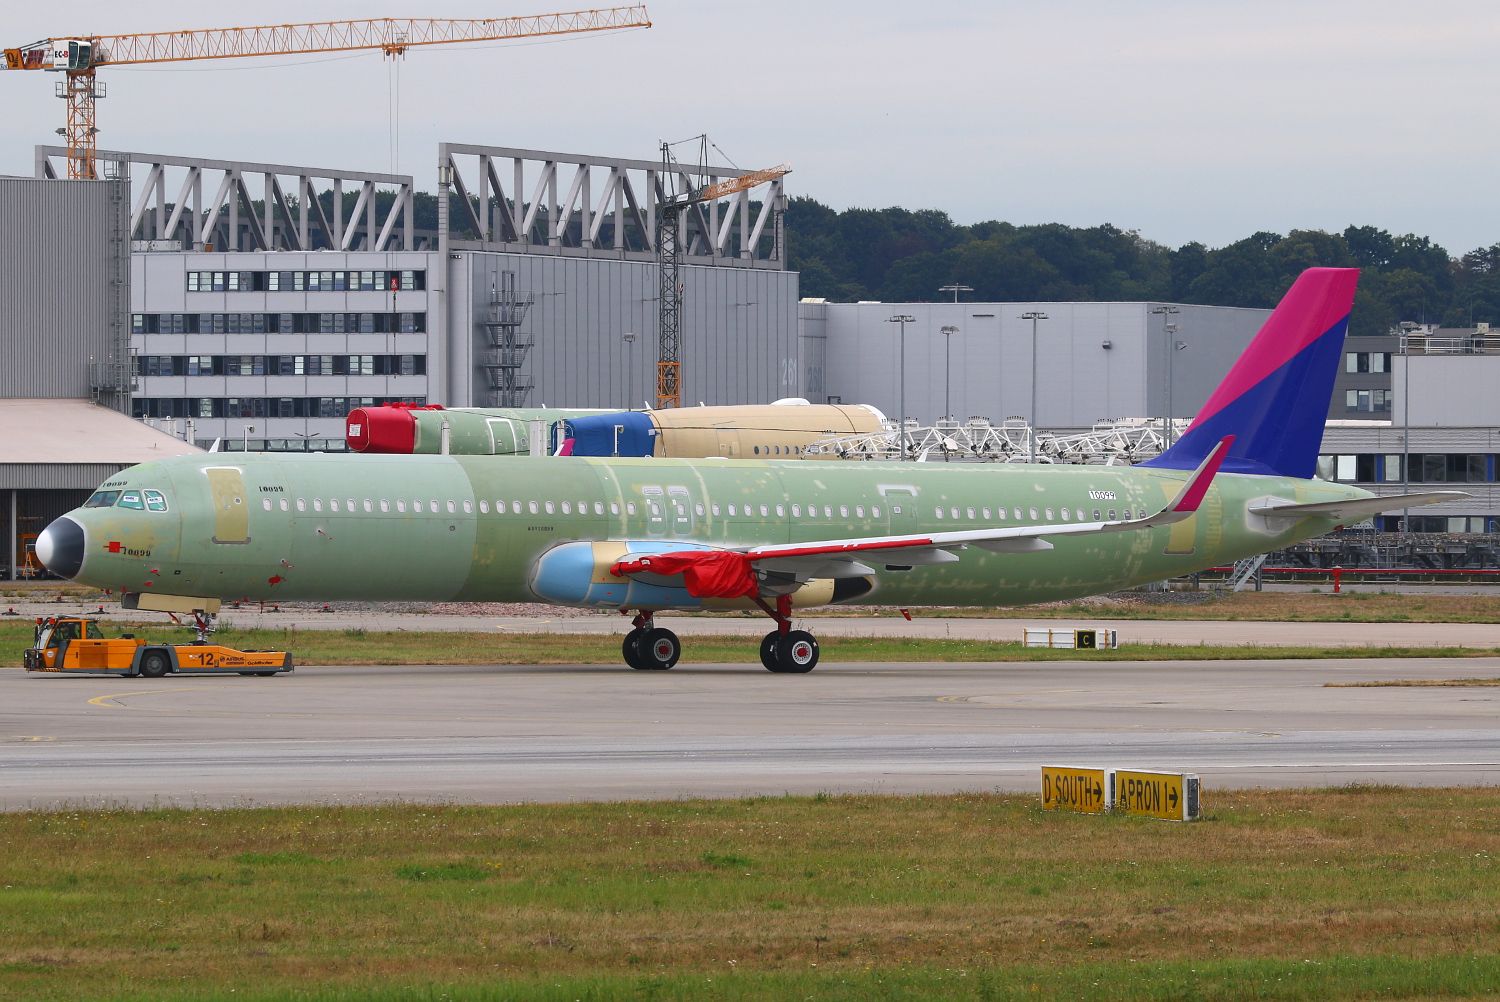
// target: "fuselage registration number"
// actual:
[[1102, 496]]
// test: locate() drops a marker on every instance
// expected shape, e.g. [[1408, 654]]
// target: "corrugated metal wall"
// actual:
[[56, 287], [739, 330]]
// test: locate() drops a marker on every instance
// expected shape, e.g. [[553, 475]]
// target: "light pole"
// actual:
[[903, 319], [955, 288], [1033, 316], [948, 330], [248, 429], [629, 340], [1168, 329]]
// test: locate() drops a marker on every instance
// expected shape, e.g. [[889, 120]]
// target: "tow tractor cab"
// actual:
[[75, 645]]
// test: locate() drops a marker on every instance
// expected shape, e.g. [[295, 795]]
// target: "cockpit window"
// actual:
[[155, 501], [102, 499], [131, 499]]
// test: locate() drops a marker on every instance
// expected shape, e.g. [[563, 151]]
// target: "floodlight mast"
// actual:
[[80, 56]]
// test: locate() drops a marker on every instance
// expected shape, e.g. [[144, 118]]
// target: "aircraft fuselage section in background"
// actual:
[[438, 528]]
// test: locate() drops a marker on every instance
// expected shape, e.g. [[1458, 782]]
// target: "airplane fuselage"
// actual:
[[522, 529]]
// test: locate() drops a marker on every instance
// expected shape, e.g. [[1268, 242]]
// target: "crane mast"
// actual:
[[669, 263], [79, 57]]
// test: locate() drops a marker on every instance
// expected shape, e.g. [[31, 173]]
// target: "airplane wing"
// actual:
[[730, 573], [1355, 508]]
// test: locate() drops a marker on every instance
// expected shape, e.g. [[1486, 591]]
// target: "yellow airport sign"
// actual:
[[1171, 796], [1068, 789]]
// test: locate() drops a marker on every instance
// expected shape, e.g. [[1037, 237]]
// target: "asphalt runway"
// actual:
[[505, 734]]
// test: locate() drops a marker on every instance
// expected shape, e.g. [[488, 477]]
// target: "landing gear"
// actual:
[[650, 648], [784, 650]]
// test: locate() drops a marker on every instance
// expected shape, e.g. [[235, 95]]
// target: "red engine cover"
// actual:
[[380, 429]]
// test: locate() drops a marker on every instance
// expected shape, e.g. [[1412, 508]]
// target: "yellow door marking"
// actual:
[[231, 509]]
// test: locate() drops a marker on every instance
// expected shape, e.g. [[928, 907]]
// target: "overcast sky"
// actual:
[[1183, 119]]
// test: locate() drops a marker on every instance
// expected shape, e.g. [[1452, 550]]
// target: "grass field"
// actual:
[[1359, 892], [361, 647]]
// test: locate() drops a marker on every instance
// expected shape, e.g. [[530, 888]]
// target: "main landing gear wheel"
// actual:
[[768, 650], [796, 653], [657, 650], [630, 648]]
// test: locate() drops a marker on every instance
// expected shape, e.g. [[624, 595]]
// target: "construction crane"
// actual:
[[669, 259], [81, 56]]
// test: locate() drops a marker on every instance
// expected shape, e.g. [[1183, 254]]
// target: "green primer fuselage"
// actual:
[[332, 527]]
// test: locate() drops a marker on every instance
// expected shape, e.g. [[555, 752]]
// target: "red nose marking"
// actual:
[[114, 546]]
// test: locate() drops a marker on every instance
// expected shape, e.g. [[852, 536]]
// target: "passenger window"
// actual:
[[699, 509], [452, 508], [468, 507], [732, 508], [828, 511], [317, 504], [551, 508], [875, 511], [484, 507], [333, 504], [859, 510], [598, 507], [385, 505], [1049, 515], [400, 505], [155, 501], [350, 503], [971, 514], [715, 508], [796, 511], [764, 511], [986, 514], [287, 507], [630, 507], [939, 513], [655, 509], [843, 511], [131, 499], [781, 511], [1016, 514], [434, 506], [531, 507], [567, 507], [1065, 516], [614, 507], [301, 504], [1034, 515], [953, 512], [368, 505], [265, 503], [1096, 515], [515, 508], [1112, 515]]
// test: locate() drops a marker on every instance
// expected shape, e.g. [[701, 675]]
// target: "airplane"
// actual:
[[782, 428], [643, 535]]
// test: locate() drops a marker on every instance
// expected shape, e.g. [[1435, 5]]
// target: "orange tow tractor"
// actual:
[[76, 646]]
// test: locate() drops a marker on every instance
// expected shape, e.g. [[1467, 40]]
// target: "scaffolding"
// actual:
[[1114, 442]]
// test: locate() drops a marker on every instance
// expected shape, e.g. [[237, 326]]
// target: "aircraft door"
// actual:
[[901, 509], [226, 486]]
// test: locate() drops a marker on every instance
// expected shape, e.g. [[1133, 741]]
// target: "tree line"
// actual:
[[901, 255]]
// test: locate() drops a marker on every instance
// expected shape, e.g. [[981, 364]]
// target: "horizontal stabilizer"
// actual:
[[1356, 508]]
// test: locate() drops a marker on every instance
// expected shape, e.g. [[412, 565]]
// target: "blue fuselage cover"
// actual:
[[595, 435]]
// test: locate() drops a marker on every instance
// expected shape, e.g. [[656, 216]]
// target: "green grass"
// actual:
[[361, 647], [1354, 892]]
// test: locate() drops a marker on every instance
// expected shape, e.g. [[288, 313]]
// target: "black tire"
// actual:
[[154, 664], [658, 649], [629, 648], [797, 653], [768, 650]]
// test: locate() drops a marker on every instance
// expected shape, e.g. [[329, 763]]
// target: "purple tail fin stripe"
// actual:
[[1275, 398]]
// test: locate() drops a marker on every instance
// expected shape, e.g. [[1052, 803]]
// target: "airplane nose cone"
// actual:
[[60, 547]]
